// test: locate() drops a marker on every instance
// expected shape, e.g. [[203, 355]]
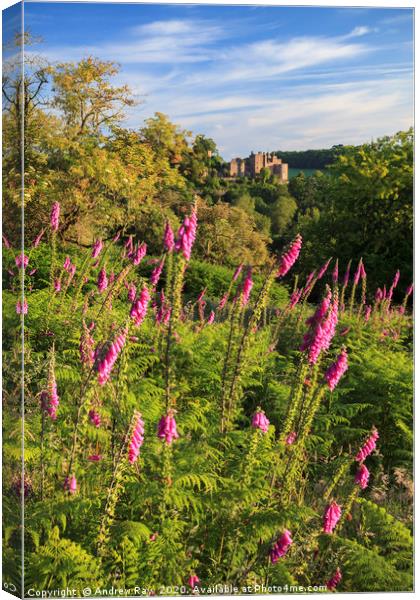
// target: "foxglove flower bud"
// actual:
[[323, 269], [139, 308], [139, 253], [97, 248], [55, 216], [335, 272], [156, 273], [102, 282], [95, 418], [137, 438], [38, 238], [281, 547], [260, 421], [186, 235], [167, 428], [21, 261], [132, 291], [290, 256], [106, 359], [193, 581], [336, 370], [246, 288], [291, 438], [335, 580], [168, 238], [362, 476], [368, 447], [332, 515], [237, 272]]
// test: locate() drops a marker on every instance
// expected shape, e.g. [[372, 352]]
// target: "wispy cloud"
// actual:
[[264, 87]]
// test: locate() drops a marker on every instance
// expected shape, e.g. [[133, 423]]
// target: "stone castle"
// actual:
[[251, 166]]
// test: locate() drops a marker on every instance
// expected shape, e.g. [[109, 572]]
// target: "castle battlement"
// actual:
[[254, 163]]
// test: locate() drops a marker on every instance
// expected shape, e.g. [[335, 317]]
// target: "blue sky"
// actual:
[[251, 77]]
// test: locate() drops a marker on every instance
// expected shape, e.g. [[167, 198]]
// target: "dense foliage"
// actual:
[[220, 409], [186, 443]]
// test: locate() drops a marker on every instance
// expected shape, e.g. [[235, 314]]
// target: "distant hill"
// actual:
[[310, 159]]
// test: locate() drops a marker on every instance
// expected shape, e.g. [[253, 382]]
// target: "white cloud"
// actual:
[[359, 31], [305, 117]]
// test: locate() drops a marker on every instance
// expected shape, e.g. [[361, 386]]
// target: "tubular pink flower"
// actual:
[[193, 580], [223, 301], [156, 273], [102, 282], [168, 238], [38, 238], [201, 295], [347, 274], [295, 297], [378, 295], [332, 515], [247, 287], [409, 290], [290, 256], [362, 476], [368, 310], [139, 308], [52, 398], [97, 248], [95, 418], [362, 270], [308, 282], [210, 320], [260, 421], [67, 263], [237, 272], [336, 370], [21, 261], [139, 253], [55, 216], [106, 358], [186, 235], [128, 245], [322, 328], [72, 485], [281, 547], [335, 272], [335, 580], [323, 269], [357, 273], [137, 438], [57, 285], [167, 428], [291, 438], [368, 447], [132, 291], [21, 309], [116, 237], [396, 279]]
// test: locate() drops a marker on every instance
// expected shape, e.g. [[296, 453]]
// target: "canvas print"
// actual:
[[207, 299]]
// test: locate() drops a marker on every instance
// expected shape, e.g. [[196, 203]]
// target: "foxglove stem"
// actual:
[[243, 344], [355, 284], [345, 284], [112, 496]]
